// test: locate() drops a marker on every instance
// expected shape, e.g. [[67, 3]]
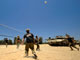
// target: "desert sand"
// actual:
[[46, 53]]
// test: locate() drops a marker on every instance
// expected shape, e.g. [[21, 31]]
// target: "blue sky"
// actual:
[[57, 17]]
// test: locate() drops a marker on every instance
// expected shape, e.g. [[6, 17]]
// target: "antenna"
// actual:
[[11, 28], [7, 36]]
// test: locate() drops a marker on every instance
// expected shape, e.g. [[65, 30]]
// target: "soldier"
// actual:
[[71, 42], [37, 43], [29, 43], [18, 41], [6, 41]]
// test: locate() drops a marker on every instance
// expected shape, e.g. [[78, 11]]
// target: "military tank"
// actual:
[[58, 41]]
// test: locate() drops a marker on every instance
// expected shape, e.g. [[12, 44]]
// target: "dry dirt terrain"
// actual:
[[46, 53]]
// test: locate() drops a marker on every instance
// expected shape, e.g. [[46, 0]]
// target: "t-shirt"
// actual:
[[18, 39], [29, 38], [36, 41], [70, 40], [6, 40]]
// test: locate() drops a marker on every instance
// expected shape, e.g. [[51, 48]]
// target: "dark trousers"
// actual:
[[38, 47], [73, 45]]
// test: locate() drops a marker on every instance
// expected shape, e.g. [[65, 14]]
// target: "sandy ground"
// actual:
[[46, 53]]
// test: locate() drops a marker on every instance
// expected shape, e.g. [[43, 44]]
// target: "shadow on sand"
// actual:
[[30, 57]]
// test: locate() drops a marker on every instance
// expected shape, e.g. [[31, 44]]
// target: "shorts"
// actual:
[[29, 45]]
